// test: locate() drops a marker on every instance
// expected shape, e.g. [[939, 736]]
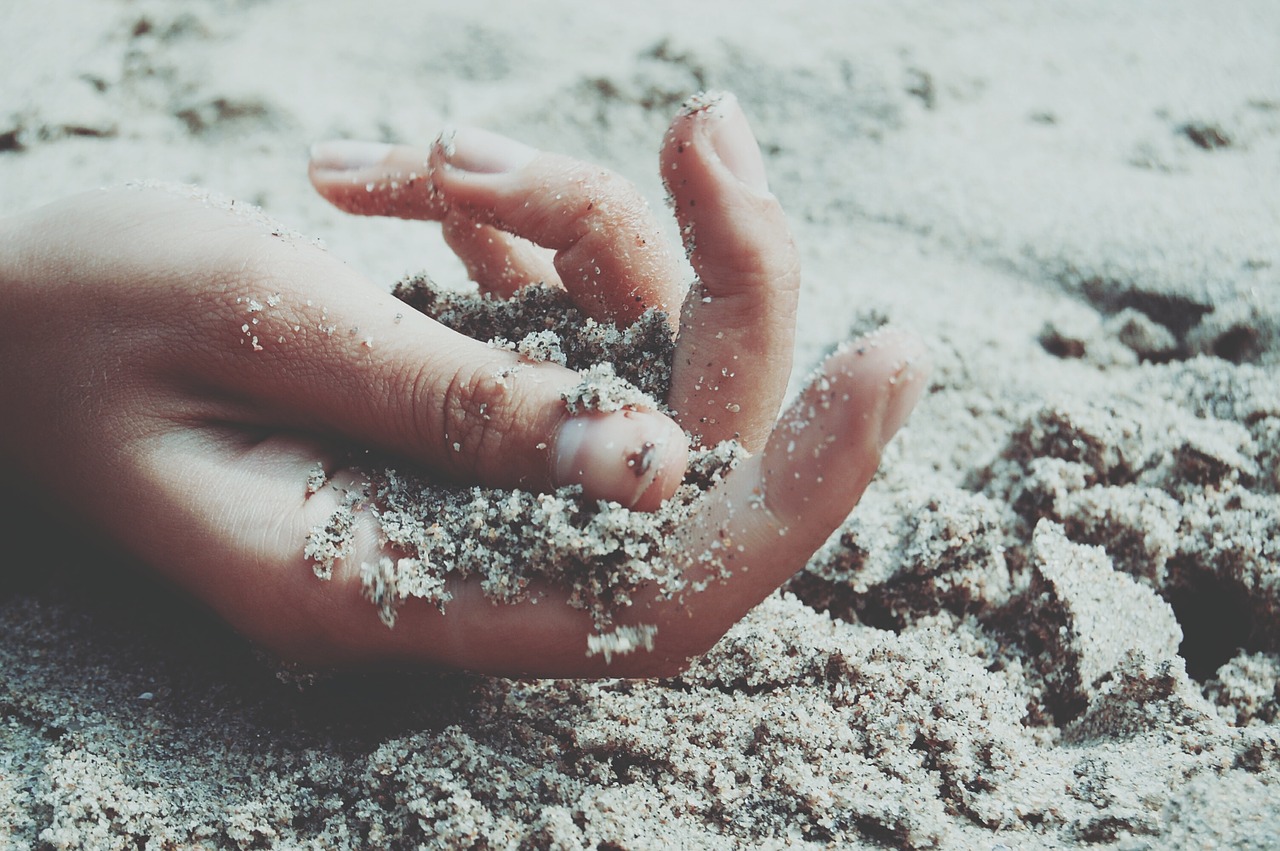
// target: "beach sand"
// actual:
[[1054, 621]]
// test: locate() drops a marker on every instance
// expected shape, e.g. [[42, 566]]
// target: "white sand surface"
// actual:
[[1054, 621]]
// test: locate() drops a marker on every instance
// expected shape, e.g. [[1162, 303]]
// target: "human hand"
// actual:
[[216, 360]]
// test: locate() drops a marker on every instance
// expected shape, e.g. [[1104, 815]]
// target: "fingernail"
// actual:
[[481, 152], [617, 456], [348, 154], [734, 143]]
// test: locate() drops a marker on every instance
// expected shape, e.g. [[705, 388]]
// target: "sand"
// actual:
[[1051, 623], [509, 539]]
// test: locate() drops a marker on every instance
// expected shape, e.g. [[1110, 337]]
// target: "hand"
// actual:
[[175, 370]]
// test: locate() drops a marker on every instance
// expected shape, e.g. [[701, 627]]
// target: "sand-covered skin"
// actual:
[[1052, 622], [508, 539]]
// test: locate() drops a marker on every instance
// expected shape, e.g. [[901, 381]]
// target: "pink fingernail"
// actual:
[[348, 154], [734, 143], [615, 456], [481, 152]]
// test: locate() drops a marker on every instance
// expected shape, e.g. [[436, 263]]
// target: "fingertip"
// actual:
[[889, 365], [713, 127], [828, 445], [909, 380], [375, 179], [635, 458], [336, 169], [472, 152], [673, 460], [717, 120]]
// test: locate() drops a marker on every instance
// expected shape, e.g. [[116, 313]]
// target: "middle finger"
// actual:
[[609, 251]]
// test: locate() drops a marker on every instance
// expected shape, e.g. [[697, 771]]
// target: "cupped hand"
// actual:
[[176, 368]]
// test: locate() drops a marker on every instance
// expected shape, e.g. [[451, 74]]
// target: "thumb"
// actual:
[[291, 338], [383, 375]]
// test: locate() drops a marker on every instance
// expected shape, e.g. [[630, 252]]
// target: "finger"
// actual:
[[345, 358], [760, 527], [498, 262], [772, 513], [609, 252], [737, 331], [376, 179]]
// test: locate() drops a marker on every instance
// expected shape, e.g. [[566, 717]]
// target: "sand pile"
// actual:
[[1053, 620]]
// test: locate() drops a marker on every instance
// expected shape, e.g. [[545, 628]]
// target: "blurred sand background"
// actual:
[[1055, 620]]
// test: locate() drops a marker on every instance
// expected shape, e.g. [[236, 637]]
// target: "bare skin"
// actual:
[[173, 371]]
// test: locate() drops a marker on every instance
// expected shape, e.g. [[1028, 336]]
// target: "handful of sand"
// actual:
[[600, 552]]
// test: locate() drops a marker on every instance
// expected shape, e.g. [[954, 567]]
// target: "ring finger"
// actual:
[[609, 252]]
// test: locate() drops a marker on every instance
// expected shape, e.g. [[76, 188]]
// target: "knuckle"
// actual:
[[478, 415], [765, 254], [606, 193], [581, 203], [757, 287], [460, 231], [612, 208]]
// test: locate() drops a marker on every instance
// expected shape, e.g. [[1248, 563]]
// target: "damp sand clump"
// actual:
[[513, 540]]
